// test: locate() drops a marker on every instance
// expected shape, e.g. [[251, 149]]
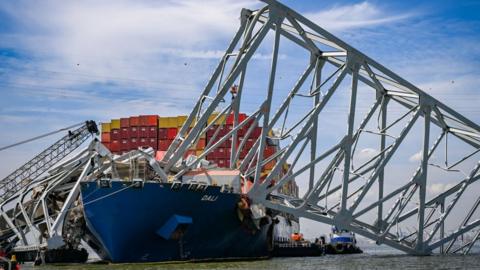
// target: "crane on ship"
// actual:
[[342, 187]]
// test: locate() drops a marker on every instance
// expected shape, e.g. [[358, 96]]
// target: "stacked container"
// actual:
[[167, 131], [126, 134]]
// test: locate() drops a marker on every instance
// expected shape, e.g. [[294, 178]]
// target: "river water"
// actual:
[[373, 258]]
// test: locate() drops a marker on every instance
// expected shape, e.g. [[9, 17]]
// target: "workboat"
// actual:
[[342, 242], [148, 221]]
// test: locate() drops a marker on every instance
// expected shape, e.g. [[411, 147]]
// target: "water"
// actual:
[[373, 258]]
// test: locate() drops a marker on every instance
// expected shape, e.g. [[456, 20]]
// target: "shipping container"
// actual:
[[257, 132], [115, 124], [172, 133], [220, 163], [143, 132], [133, 143], [269, 165], [148, 120], [172, 122], [219, 121], [211, 156], [115, 134], [268, 151], [134, 121], [201, 144], [181, 120], [162, 133], [125, 132], [152, 142], [106, 137], [134, 132], [152, 132], [241, 118], [163, 145], [124, 145], [163, 122], [115, 145], [124, 122], [106, 127]]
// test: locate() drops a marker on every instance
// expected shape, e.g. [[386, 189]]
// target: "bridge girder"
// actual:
[[334, 59]]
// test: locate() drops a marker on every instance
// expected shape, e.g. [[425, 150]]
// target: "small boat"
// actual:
[[342, 242]]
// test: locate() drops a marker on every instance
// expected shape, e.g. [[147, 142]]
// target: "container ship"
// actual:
[[205, 215]]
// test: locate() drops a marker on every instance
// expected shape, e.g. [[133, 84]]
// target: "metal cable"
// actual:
[[40, 136]]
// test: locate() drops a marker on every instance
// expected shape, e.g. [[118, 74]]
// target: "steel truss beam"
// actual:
[[353, 209]]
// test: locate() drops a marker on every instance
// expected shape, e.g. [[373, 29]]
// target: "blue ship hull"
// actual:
[[137, 224]]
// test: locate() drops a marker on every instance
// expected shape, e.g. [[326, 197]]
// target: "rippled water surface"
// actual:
[[373, 258]]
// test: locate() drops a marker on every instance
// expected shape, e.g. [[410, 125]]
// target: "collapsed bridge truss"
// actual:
[[347, 157], [370, 198]]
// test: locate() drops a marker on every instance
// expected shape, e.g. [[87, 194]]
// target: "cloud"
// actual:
[[361, 15], [367, 153], [438, 188], [416, 157]]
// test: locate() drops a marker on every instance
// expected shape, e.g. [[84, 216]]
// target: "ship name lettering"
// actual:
[[209, 198]]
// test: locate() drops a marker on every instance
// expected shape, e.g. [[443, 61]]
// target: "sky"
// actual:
[[63, 62]]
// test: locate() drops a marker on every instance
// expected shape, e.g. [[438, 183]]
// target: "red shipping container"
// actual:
[[226, 153], [241, 117], [134, 121], [210, 157], [163, 133], [134, 132], [152, 132], [220, 163], [243, 153], [124, 132], [268, 151], [172, 133], [149, 120], [227, 163], [115, 134], [143, 132], [142, 142], [221, 153], [125, 145], [163, 145], [124, 122], [211, 131], [106, 137], [152, 142], [133, 143], [115, 146], [257, 131]]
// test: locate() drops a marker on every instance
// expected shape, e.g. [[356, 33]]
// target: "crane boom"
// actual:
[[31, 170]]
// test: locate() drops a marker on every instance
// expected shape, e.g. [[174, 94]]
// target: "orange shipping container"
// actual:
[[106, 137], [201, 143], [148, 120]]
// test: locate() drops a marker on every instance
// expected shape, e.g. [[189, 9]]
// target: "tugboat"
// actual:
[[342, 242], [288, 242]]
